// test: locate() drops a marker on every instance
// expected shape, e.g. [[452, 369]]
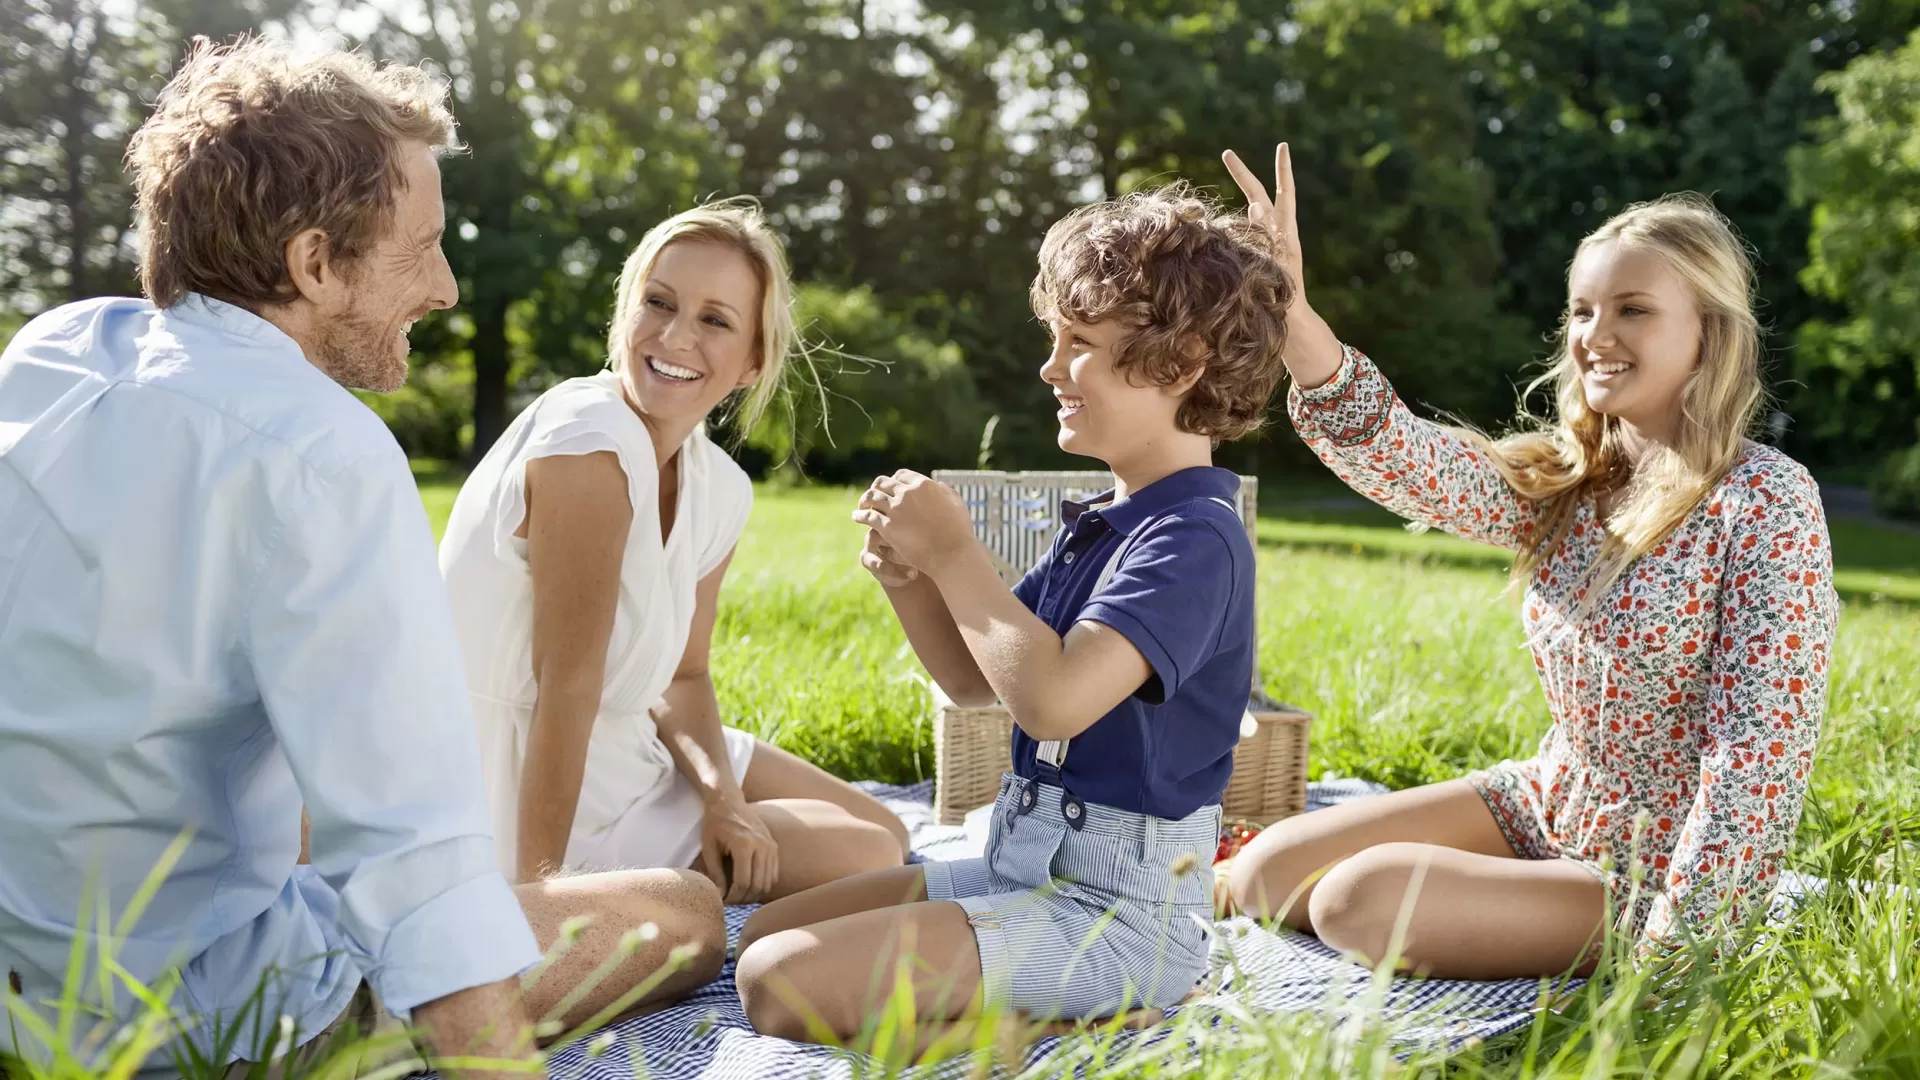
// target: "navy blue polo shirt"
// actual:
[[1182, 593]]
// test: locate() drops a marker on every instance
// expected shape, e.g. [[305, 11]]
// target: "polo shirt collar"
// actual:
[[1199, 482]]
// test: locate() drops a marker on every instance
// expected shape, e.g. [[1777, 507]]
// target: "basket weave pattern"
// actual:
[[1014, 515]]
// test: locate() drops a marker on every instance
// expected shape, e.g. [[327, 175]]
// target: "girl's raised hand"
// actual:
[[1274, 213]]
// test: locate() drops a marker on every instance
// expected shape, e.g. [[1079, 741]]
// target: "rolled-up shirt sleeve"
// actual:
[[354, 652]]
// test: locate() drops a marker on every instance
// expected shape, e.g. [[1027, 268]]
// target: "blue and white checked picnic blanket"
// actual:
[[707, 1035]]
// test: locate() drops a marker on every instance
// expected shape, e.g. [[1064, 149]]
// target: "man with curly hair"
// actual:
[[219, 604], [1125, 657]]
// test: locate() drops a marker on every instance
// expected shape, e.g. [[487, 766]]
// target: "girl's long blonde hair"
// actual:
[[1582, 453], [739, 224]]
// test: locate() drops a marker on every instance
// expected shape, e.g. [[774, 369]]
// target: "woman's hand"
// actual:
[[739, 852], [885, 564], [1276, 214], [923, 521]]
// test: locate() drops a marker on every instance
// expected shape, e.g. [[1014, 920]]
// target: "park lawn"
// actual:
[[1408, 649]]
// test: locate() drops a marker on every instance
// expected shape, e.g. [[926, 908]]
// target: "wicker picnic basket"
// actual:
[[1014, 515]]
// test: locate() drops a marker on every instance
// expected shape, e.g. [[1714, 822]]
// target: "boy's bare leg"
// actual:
[[891, 887], [822, 981], [682, 905]]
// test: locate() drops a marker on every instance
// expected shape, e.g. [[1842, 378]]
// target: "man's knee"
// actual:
[[1358, 904], [770, 979], [693, 919]]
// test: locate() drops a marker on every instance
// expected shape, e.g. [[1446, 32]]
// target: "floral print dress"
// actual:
[[1686, 701]]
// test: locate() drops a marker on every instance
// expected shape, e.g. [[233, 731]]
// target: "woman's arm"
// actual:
[[578, 517], [1764, 706], [737, 849]]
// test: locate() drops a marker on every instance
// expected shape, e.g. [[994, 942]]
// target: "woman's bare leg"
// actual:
[[682, 905], [1465, 915], [823, 980], [1282, 862], [772, 773]]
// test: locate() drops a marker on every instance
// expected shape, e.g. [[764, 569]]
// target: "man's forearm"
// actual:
[[935, 639], [482, 1022]]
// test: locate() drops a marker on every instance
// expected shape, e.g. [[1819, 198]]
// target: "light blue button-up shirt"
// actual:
[[219, 601]]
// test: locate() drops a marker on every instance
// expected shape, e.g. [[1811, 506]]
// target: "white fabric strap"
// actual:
[[1054, 751]]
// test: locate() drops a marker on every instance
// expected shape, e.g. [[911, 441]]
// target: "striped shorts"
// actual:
[[1086, 922]]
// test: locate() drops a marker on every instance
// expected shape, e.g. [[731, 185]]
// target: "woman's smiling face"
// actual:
[[696, 338]]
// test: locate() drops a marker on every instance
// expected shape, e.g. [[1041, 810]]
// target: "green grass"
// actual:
[[1408, 649]]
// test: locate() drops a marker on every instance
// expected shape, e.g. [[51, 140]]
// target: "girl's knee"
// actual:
[[1356, 905]]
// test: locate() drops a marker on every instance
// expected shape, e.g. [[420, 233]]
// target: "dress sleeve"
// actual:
[[1766, 698], [1413, 467]]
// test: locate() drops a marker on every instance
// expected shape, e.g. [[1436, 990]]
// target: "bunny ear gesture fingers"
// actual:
[[1276, 213]]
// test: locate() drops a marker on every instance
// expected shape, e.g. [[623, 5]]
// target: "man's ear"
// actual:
[[310, 265]]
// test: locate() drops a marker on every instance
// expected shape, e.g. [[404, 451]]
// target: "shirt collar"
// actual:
[[1199, 482], [231, 320]]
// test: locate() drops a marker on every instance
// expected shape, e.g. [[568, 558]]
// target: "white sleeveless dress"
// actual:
[[635, 809]]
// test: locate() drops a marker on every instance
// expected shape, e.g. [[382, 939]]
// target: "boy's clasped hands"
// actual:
[[915, 524]]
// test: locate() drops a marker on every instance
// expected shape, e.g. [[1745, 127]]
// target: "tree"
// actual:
[[75, 84], [1861, 178], [572, 152]]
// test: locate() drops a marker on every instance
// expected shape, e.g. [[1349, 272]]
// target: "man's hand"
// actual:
[[885, 564], [923, 521]]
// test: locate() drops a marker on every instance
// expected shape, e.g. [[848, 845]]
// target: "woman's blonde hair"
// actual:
[[1581, 453], [739, 224]]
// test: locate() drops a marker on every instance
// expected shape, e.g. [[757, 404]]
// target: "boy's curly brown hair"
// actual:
[[1193, 286]]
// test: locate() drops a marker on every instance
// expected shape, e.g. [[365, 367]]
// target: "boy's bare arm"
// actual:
[[938, 643], [1056, 688], [929, 627]]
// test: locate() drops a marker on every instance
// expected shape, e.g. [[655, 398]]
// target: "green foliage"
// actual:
[[877, 392], [1896, 487], [431, 415], [1862, 368]]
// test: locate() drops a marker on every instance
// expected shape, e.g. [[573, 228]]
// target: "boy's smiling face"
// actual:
[[1102, 414]]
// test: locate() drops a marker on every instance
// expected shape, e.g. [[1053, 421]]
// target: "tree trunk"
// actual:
[[489, 374]]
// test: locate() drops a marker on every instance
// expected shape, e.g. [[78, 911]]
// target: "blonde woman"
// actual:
[[585, 557], [1679, 606]]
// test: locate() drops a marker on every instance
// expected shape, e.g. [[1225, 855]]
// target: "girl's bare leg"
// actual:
[[1279, 867], [773, 773], [1466, 915]]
